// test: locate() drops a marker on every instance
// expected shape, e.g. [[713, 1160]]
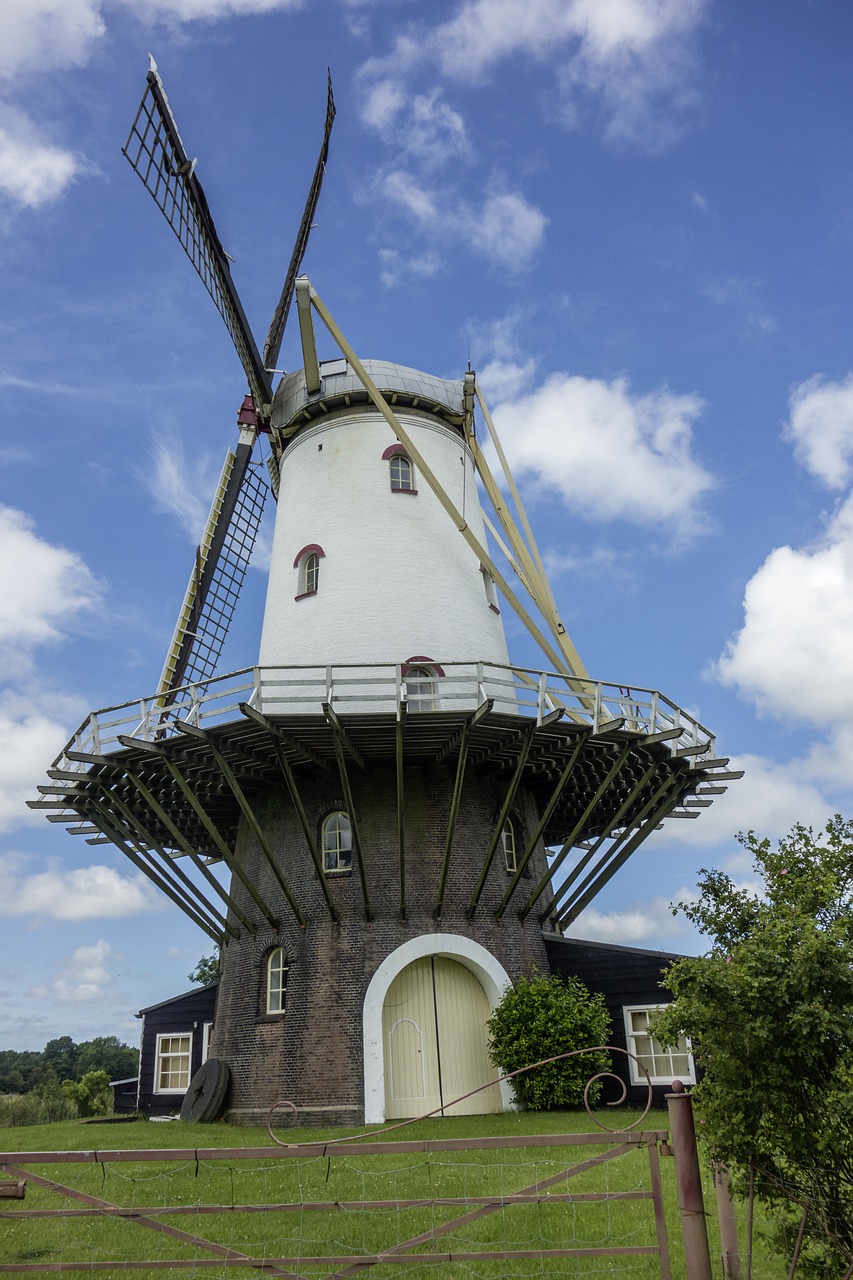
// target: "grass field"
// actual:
[[343, 1177]]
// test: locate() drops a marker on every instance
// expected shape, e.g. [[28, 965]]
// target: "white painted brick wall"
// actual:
[[397, 578]]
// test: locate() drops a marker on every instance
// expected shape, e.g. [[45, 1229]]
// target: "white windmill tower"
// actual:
[[382, 787]]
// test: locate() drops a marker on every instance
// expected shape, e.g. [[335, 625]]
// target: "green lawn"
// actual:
[[345, 1177]]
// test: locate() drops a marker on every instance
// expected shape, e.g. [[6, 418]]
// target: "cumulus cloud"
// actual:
[[641, 923], [42, 587], [96, 892], [29, 740], [821, 428], [793, 656], [424, 126], [608, 453], [33, 172], [503, 227], [630, 59], [85, 976]]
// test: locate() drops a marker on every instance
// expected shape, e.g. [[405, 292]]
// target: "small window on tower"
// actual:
[[400, 470], [337, 843], [421, 689], [491, 590], [277, 969], [508, 841], [307, 566]]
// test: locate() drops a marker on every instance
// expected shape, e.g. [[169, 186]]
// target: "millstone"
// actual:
[[206, 1094]]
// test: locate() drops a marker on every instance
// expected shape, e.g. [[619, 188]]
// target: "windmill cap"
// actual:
[[294, 406]]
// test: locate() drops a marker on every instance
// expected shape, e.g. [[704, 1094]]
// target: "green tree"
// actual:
[[206, 971], [539, 1018], [107, 1053], [770, 1012], [60, 1057], [91, 1095]]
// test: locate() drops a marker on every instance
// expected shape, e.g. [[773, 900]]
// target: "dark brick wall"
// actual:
[[312, 1054]]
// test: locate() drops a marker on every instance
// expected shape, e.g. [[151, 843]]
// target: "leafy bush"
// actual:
[[91, 1095], [539, 1018], [46, 1104]]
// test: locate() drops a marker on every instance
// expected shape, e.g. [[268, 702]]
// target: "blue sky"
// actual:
[[637, 218]]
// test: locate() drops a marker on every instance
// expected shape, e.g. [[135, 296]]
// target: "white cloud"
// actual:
[[607, 453], [29, 740], [396, 266], [423, 126], [769, 799], [793, 656], [42, 586], [821, 427], [180, 487], [96, 892], [85, 977], [504, 227], [631, 59], [47, 35], [50, 35], [642, 922], [33, 172]]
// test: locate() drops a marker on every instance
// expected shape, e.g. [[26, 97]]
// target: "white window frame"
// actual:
[[160, 1056], [509, 846], [207, 1027], [637, 1077], [280, 989], [421, 688], [336, 867], [402, 481]]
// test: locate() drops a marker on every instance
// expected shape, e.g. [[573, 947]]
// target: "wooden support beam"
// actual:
[[116, 837], [210, 827], [544, 820], [615, 768], [249, 814], [573, 910], [482, 711], [172, 871], [454, 812], [595, 845], [664, 735], [337, 735], [518, 772], [307, 829], [343, 737], [401, 805], [182, 843], [287, 739]]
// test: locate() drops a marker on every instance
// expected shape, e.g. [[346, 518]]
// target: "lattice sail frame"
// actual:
[[159, 159], [204, 619]]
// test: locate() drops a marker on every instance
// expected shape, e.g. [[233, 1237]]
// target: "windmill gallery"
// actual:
[[384, 822]]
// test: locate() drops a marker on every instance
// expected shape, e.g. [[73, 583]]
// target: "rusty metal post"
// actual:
[[728, 1224], [691, 1205]]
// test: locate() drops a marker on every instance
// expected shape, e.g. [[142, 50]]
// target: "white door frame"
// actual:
[[488, 971]]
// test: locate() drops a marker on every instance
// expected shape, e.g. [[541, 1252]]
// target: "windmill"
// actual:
[[383, 788]]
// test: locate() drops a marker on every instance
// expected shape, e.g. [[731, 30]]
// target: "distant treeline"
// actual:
[[62, 1059]]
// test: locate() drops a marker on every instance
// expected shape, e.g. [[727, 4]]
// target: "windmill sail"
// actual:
[[158, 157], [272, 346], [217, 577]]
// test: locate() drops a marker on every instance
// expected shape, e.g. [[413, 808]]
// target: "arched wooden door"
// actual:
[[435, 1041]]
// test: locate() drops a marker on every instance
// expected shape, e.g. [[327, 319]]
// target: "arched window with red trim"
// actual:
[[307, 565]]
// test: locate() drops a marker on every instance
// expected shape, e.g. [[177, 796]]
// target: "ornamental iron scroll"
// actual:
[[543, 1062]]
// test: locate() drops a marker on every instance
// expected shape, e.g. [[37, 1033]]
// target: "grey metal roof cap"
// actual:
[[337, 379]]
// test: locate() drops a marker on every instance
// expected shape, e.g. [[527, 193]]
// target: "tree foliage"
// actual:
[[770, 1012], [206, 971], [91, 1095], [539, 1018], [22, 1071]]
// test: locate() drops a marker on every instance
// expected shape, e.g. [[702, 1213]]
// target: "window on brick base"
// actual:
[[337, 842], [277, 970], [508, 842]]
